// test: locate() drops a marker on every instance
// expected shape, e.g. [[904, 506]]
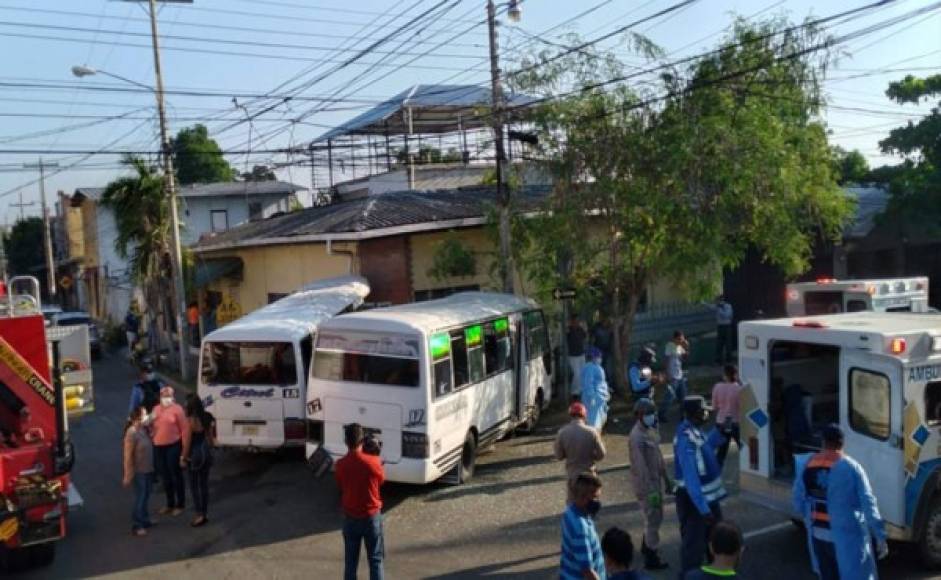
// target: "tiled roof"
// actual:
[[377, 216]]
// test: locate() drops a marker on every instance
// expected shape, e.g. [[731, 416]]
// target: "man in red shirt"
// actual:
[[359, 476]]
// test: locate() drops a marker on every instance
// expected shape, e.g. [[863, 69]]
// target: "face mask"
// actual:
[[650, 420], [593, 507], [150, 377], [166, 401]]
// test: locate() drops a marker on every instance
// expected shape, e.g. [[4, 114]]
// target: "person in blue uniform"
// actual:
[[640, 375], [698, 480], [832, 492], [595, 393]]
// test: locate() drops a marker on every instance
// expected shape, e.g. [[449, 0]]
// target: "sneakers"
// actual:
[[199, 521], [164, 511], [139, 532], [175, 512]]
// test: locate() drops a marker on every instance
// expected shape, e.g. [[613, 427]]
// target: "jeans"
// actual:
[[722, 451], [826, 559], [724, 346], [168, 464], [357, 531], [675, 391], [694, 531], [199, 487], [143, 483]]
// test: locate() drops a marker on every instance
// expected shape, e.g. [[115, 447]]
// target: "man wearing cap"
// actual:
[[579, 445], [648, 475], [832, 491], [595, 394], [698, 482], [171, 435], [641, 376]]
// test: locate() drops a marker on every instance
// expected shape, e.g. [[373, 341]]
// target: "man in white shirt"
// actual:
[[724, 331], [674, 354]]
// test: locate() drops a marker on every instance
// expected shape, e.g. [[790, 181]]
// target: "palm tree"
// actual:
[[142, 219]]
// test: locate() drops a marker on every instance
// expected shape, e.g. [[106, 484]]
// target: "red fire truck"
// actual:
[[36, 454]]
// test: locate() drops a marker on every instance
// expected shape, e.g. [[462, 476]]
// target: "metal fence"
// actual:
[[657, 324]]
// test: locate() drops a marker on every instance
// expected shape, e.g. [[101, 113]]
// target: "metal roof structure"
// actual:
[[434, 109], [376, 216], [219, 189]]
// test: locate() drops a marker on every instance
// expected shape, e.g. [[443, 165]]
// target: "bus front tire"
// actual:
[[930, 541], [468, 457]]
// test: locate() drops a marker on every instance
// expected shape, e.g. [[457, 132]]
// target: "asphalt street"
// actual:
[[269, 517]]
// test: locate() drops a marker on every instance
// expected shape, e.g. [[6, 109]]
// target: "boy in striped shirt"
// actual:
[[581, 549]]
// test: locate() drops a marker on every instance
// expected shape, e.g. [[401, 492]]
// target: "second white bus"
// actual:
[[433, 381]]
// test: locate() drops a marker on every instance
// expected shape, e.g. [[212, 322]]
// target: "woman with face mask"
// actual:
[[171, 432], [649, 478], [138, 468]]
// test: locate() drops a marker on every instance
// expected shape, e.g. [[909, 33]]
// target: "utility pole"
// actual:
[[176, 254], [496, 104], [46, 233], [22, 205]]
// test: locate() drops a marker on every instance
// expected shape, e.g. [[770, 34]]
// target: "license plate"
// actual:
[[249, 430]]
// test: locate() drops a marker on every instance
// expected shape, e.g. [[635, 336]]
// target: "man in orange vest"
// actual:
[[833, 493]]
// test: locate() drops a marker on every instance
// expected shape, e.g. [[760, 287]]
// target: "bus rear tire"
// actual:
[[468, 458], [930, 541]]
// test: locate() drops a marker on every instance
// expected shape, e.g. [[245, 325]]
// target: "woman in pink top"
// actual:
[[171, 434], [725, 402]]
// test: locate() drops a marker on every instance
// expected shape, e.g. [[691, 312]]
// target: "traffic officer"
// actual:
[[595, 394], [698, 482], [832, 491], [648, 475]]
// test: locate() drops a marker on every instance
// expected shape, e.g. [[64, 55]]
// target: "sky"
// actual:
[[253, 47]]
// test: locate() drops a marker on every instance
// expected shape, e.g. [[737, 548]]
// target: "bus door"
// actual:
[[871, 417], [535, 362]]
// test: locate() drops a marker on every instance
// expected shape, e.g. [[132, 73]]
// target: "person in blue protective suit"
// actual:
[[698, 479], [595, 393], [832, 492], [640, 376]]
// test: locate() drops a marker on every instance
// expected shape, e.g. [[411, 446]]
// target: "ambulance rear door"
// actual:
[[871, 417]]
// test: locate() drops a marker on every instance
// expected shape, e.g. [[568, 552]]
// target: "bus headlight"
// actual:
[[414, 445]]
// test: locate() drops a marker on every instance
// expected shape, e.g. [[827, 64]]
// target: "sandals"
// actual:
[[139, 532], [199, 521]]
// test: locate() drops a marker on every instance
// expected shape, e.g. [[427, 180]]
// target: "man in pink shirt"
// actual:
[[171, 435], [725, 402]]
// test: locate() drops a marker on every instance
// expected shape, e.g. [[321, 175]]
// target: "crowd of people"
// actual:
[[165, 440]]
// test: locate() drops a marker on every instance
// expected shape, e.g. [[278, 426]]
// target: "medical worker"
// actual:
[[595, 393], [832, 491], [698, 482]]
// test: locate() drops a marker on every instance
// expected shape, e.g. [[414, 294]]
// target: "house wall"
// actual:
[[196, 213], [385, 262], [280, 269], [424, 247]]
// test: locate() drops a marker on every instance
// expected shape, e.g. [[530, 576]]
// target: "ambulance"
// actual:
[[877, 375], [832, 296]]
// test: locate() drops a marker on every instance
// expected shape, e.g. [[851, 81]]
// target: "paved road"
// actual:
[[270, 518]]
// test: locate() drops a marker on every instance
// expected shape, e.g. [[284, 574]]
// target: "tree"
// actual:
[[259, 173], [24, 246], [142, 222], [677, 179], [850, 166], [452, 260], [915, 184], [198, 159]]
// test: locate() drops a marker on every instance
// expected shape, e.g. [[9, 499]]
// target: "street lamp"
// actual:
[[496, 104], [176, 255]]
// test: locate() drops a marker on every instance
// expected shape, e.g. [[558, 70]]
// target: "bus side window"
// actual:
[[459, 359], [933, 403], [491, 352], [856, 306], [306, 350], [473, 336]]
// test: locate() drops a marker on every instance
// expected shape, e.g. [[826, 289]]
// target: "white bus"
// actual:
[[433, 381], [831, 296], [253, 372]]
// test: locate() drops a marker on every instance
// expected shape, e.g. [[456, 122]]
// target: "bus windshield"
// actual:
[[249, 363], [377, 359]]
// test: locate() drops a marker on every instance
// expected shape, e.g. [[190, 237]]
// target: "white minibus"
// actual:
[[433, 381], [831, 296], [253, 372]]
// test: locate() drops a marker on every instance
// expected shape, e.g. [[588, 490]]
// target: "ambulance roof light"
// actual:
[[826, 280], [809, 324], [897, 346], [793, 295], [936, 343], [871, 289]]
